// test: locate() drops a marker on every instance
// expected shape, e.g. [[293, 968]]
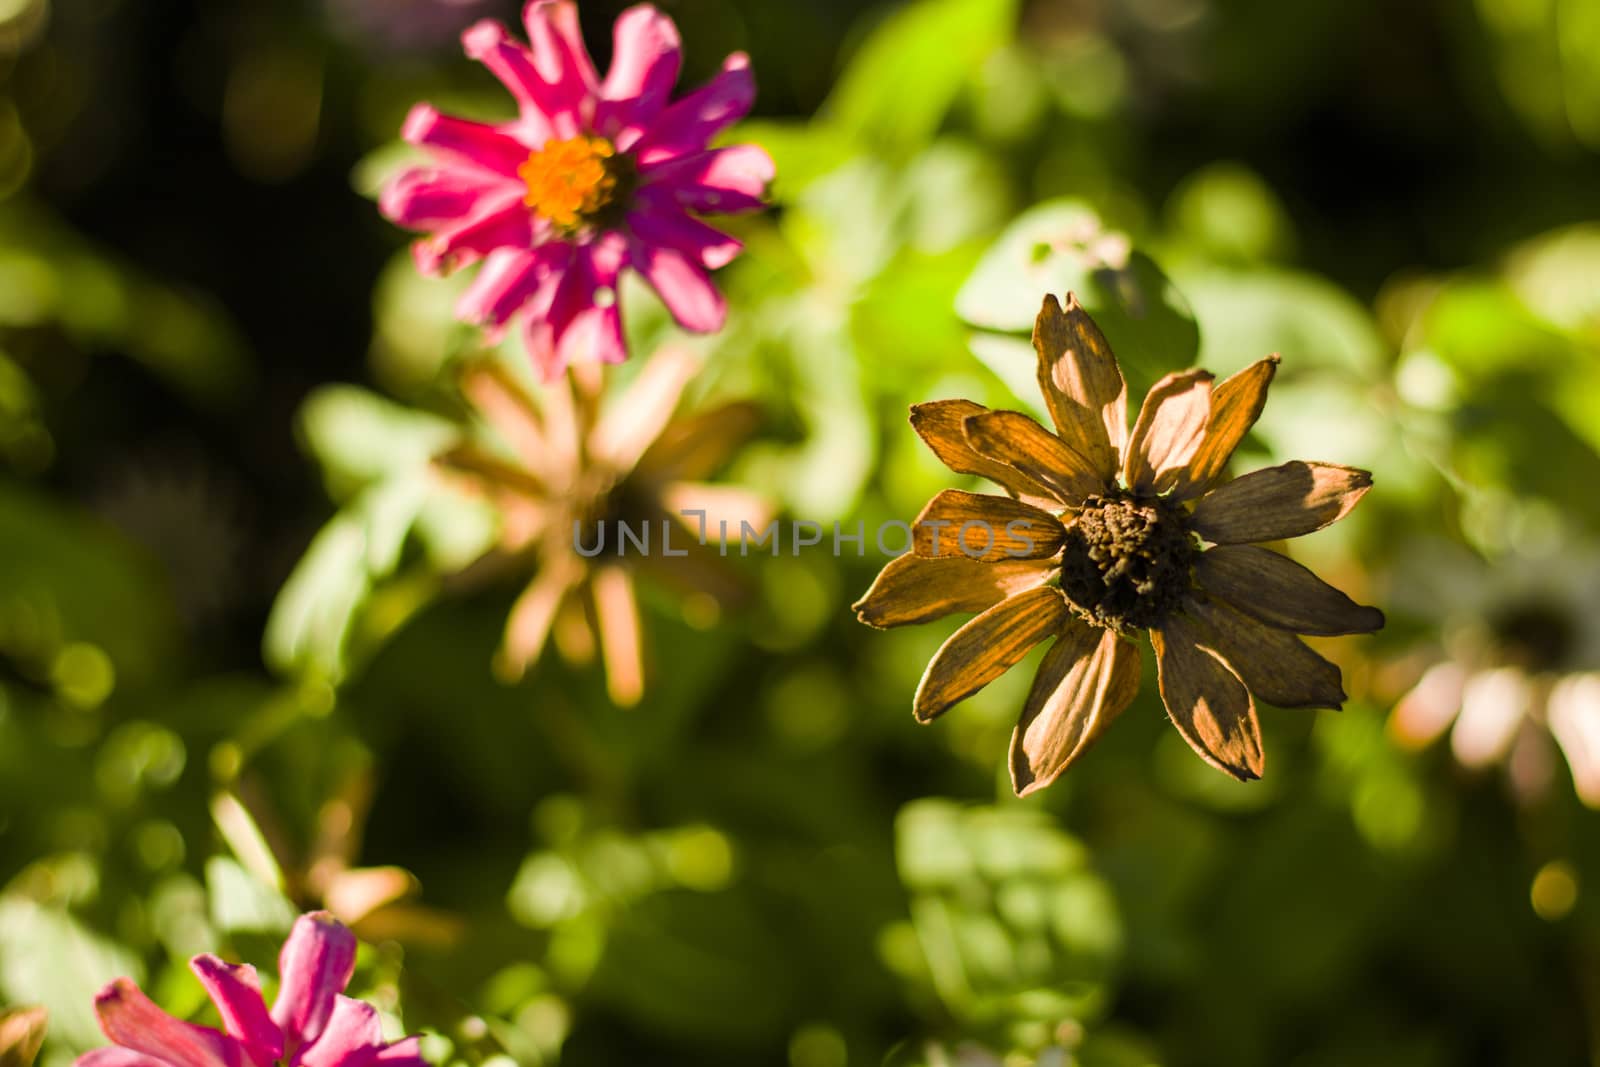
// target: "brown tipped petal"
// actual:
[[988, 528], [1279, 591], [1086, 680], [1273, 664], [1207, 702], [913, 590], [1025, 446], [1170, 428], [942, 426], [987, 647], [1082, 384], [1235, 405], [1278, 502]]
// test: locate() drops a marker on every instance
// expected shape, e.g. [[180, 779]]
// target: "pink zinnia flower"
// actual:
[[310, 1025], [593, 176]]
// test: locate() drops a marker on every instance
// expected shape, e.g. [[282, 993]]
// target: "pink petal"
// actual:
[[577, 317], [478, 143], [705, 244], [117, 1057], [644, 68], [353, 1034], [722, 181], [562, 59], [406, 1052], [131, 1019], [502, 221], [683, 286], [542, 114], [508, 279], [688, 125], [315, 965], [236, 991], [426, 197]]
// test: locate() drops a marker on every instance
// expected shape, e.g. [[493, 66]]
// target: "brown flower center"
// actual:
[[1125, 562], [1535, 636]]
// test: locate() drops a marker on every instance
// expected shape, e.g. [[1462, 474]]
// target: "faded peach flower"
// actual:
[[1106, 533], [21, 1035], [1517, 674], [567, 472]]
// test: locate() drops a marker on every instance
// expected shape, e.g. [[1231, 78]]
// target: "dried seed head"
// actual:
[[1126, 562]]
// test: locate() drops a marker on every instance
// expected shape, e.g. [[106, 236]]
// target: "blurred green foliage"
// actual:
[[237, 679]]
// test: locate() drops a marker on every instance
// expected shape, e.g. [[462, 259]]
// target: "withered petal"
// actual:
[[1023, 445], [1279, 591], [1086, 680], [1236, 403], [988, 528], [912, 590], [1082, 384], [1207, 702], [1170, 428], [987, 647], [1274, 664], [1279, 502], [694, 446], [505, 405], [941, 425]]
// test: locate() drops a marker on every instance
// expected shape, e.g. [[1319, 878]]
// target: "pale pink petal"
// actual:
[[1493, 705], [543, 114], [130, 1019], [117, 1057], [425, 197], [644, 68], [723, 181], [562, 59], [689, 124], [1574, 713], [478, 143], [707, 245], [353, 1034], [1430, 707], [683, 286], [503, 220], [315, 965], [236, 991]]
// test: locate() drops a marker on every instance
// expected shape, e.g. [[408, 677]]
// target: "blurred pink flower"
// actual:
[[593, 176], [310, 1024]]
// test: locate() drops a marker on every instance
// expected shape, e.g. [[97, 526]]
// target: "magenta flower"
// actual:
[[310, 1025], [593, 176]]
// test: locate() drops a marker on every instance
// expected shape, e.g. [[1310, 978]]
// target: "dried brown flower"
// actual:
[[1106, 533], [566, 471]]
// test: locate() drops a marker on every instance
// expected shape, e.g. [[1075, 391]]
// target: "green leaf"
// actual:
[[360, 437], [1061, 247], [902, 82], [239, 901], [48, 957]]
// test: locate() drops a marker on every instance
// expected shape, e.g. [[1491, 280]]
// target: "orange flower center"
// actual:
[[570, 182]]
